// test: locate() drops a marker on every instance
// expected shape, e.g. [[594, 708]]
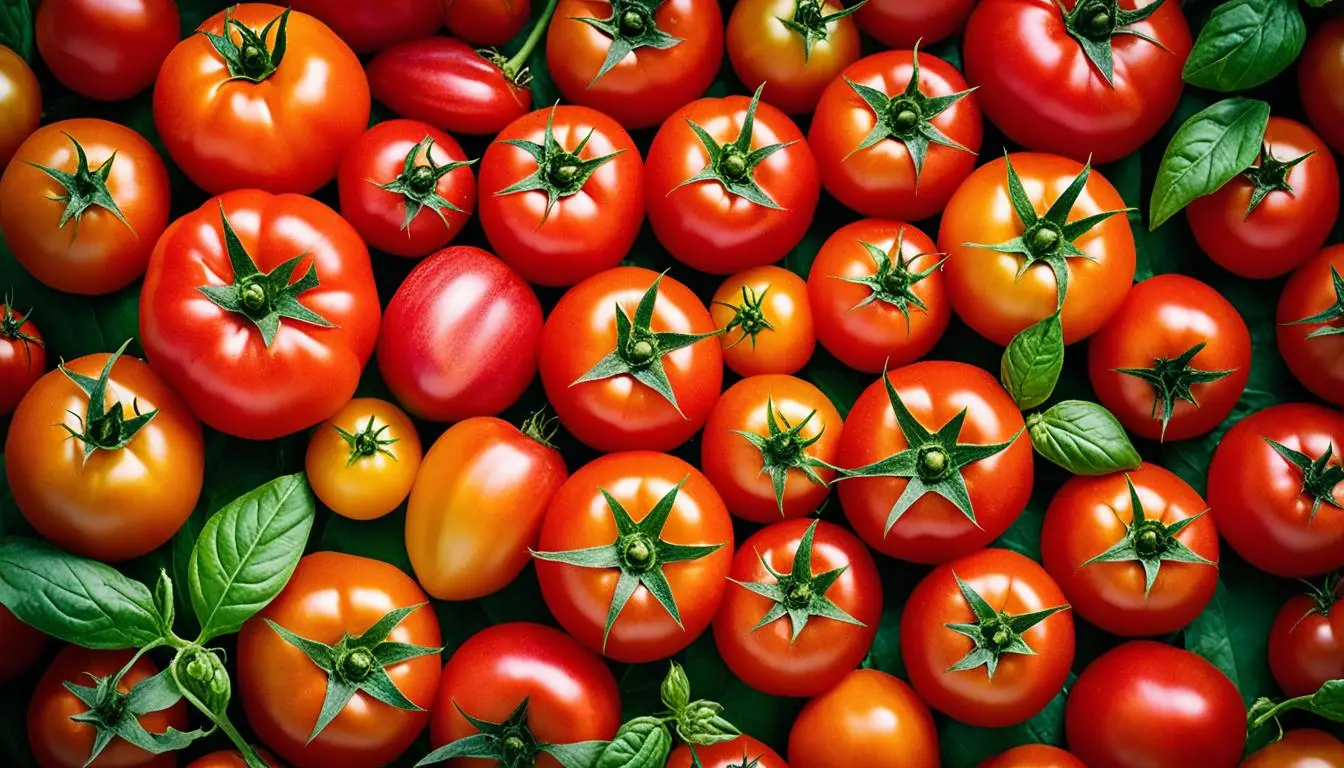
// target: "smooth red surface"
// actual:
[[1306, 645], [1033, 756], [367, 27], [486, 22], [1319, 71], [902, 23], [870, 719], [20, 646], [1300, 748], [444, 82], [728, 754], [106, 50], [1318, 363]]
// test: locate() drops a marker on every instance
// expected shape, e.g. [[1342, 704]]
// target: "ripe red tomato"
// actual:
[[1310, 324], [902, 24], [486, 22], [741, 751], [106, 51], [20, 646], [1276, 488], [230, 758], [406, 188], [23, 356], [1033, 756], [362, 461], [797, 46], [256, 355], [870, 719], [563, 194], [767, 321], [261, 120], [1188, 712], [446, 83], [1300, 748], [20, 103], [368, 27], [1042, 88], [1306, 643], [1321, 66], [670, 542], [1173, 360]]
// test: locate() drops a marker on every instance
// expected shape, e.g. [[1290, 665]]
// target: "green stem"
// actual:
[[1282, 706], [519, 60]]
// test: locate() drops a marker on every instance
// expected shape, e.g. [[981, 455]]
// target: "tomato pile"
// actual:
[[691, 383]]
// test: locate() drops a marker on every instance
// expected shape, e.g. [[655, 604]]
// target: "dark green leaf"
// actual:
[[1206, 152], [641, 743], [1246, 43], [1083, 438]]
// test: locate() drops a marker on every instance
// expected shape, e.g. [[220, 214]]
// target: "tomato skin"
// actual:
[[901, 24], [1033, 756], [368, 27], [368, 486], [282, 690], [1318, 363], [230, 758], [727, 754], [106, 51], [1188, 711], [486, 22], [444, 82], [1300, 748], [20, 646], [1322, 63], [477, 506], [1163, 317], [787, 346], [870, 718], [763, 50], [20, 103], [1306, 646], [21, 361]]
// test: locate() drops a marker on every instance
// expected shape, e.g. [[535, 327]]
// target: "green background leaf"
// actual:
[[1245, 44]]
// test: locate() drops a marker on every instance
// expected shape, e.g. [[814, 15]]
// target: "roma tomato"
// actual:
[[802, 610], [1322, 65], [106, 51], [878, 294], [1173, 360], [619, 383], [362, 461], [1276, 488], [1050, 93], [23, 357], [486, 22], [1033, 756], [230, 758], [903, 24], [1188, 711], [82, 204], [257, 116], [477, 505], [1306, 643], [871, 719], [1066, 246], [104, 459], [969, 473], [768, 447], [766, 321], [564, 194], [797, 46], [896, 134], [446, 83], [741, 751], [20, 646], [460, 304], [20, 103], [406, 188], [1300, 748], [367, 27], [666, 542], [1134, 552], [254, 352], [335, 600], [1310, 322]]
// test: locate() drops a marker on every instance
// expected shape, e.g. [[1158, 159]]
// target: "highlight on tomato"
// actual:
[[870, 718], [1310, 319], [231, 758], [903, 24], [23, 355], [363, 460], [766, 321], [486, 22], [448, 84], [106, 51], [1033, 756], [20, 646], [741, 751], [1299, 747], [20, 103], [794, 47], [1306, 641], [368, 27], [1320, 66]]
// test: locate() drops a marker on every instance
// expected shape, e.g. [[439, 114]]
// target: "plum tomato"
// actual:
[[870, 719], [1310, 321], [766, 320], [23, 356], [106, 51], [362, 461], [446, 83], [1306, 642], [796, 47]]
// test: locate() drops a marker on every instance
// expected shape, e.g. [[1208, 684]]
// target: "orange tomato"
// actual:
[[20, 103], [870, 719], [763, 49], [768, 321], [362, 461]]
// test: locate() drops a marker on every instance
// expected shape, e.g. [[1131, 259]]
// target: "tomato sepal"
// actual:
[[748, 317], [367, 442], [1271, 175], [419, 184], [11, 325], [733, 164], [114, 714], [1319, 477], [84, 189], [810, 23], [1171, 379], [785, 449], [994, 633], [631, 26], [1323, 596], [255, 60], [560, 172], [1094, 23], [512, 744], [106, 430], [893, 282], [1328, 315]]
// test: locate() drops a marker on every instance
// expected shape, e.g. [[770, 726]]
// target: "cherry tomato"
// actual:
[[20, 646], [362, 461], [1306, 643], [23, 356], [368, 27], [870, 719], [902, 24], [739, 752], [486, 22], [1033, 756], [1310, 324], [20, 103], [1322, 65], [106, 51], [767, 321], [1300, 748], [446, 83], [766, 44]]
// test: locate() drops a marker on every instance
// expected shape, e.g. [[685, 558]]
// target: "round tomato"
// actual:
[[82, 204], [1033, 756], [23, 357], [1276, 489], [20, 646], [564, 194], [766, 320], [896, 134], [903, 24], [106, 51], [461, 304], [1052, 266], [871, 719], [406, 188], [334, 600], [1173, 360], [986, 462], [260, 117], [642, 377], [741, 751], [477, 506], [1188, 712], [367, 27], [797, 46], [768, 447], [486, 22], [1319, 69], [1311, 325], [230, 758], [878, 292], [447, 83], [20, 103], [362, 461], [260, 355], [1049, 93], [1306, 643], [667, 538], [1301, 748]]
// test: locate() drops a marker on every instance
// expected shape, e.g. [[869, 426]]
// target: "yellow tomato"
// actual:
[[362, 462]]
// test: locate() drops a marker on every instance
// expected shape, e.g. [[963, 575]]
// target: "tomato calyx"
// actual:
[[733, 165], [367, 442], [419, 184], [785, 449], [515, 68], [1150, 543], [1323, 597], [84, 189], [541, 427], [749, 316], [1171, 379], [114, 714], [630, 26], [1329, 316], [893, 282], [1093, 23], [560, 172], [994, 633], [511, 743], [1271, 175], [254, 60], [11, 328], [811, 23], [104, 429], [798, 594], [1319, 476]]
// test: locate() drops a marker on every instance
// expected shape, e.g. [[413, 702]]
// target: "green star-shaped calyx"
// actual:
[[1319, 476], [1093, 23], [369, 441], [512, 744], [785, 448], [1271, 175], [994, 633], [418, 184], [105, 429], [114, 714], [630, 26], [84, 189], [560, 172], [1323, 597], [893, 281], [1330, 315], [799, 595], [733, 165], [1172, 378], [11, 328], [748, 761], [812, 25], [1150, 543], [748, 317], [252, 60]]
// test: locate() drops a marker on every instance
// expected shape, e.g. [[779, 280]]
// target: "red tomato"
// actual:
[[741, 751], [1310, 324], [486, 22], [870, 719], [902, 24], [1188, 712], [368, 27], [1173, 360], [446, 83], [230, 758], [20, 103], [1033, 756], [296, 358], [20, 646], [797, 46], [1301, 748], [1319, 69], [766, 319], [686, 553], [362, 461], [23, 357], [106, 51], [1306, 643]]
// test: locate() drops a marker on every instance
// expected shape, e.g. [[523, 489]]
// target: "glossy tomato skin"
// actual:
[[460, 304], [368, 27], [727, 754], [1306, 644], [106, 51], [1321, 65], [1038, 86], [580, 235], [880, 181], [446, 83], [783, 348], [1188, 711], [579, 517], [1255, 494], [230, 758], [477, 506], [1300, 748], [1164, 317], [284, 134], [97, 253], [369, 479], [871, 719], [1318, 363], [901, 23], [1033, 756], [20, 646], [486, 22], [282, 690], [983, 284], [20, 103], [22, 361], [763, 50], [619, 414]]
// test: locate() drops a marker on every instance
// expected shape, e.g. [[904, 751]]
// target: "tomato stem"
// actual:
[[516, 62]]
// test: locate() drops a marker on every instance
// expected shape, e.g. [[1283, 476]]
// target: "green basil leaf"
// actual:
[[1246, 43], [1208, 150], [641, 743], [1328, 702], [582, 754], [1083, 438], [1032, 362]]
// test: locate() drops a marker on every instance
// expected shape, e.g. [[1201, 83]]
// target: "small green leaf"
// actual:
[[676, 689], [1246, 43], [1328, 702], [1083, 438], [641, 743], [1032, 362], [1207, 151]]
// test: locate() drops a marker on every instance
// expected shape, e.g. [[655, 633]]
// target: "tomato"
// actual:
[[1321, 65], [635, 65], [783, 470], [111, 479], [1276, 489], [23, 356], [461, 304], [1310, 324], [1300, 748], [262, 118], [1173, 360], [58, 741], [988, 458], [82, 203], [873, 135], [477, 505], [256, 355], [1188, 712], [903, 24], [766, 320], [879, 295], [486, 22], [631, 403], [20, 103], [406, 188], [446, 83], [986, 289], [362, 461], [1042, 88], [229, 758], [1306, 643], [798, 46], [563, 194], [334, 599], [1033, 756], [20, 646], [670, 542], [741, 751], [870, 719], [368, 27], [106, 51]]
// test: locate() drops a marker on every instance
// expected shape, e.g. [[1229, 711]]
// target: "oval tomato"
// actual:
[[20, 646], [1306, 643], [20, 103], [367, 27], [362, 461], [668, 538], [1033, 756], [106, 51], [1310, 320], [797, 46], [1321, 66], [766, 320], [741, 751], [870, 719], [903, 24], [1300, 748], [446, 83], [486, 22], [23, 357]]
